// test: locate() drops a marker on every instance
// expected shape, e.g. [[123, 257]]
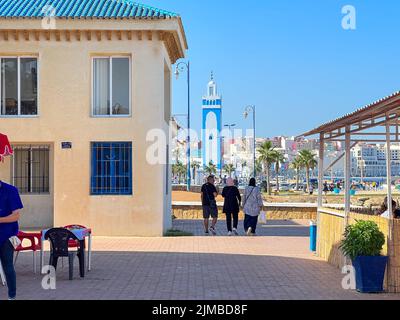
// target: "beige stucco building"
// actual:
[[79, 91]]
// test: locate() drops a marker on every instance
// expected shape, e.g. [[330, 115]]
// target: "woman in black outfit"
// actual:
[[232, 198]]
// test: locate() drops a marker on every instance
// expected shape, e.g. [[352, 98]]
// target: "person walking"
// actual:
[[252, 206], [236, 182], [326, 188], [232, 201], [311, 189], [384, 210], [10, 204], [209, 194]]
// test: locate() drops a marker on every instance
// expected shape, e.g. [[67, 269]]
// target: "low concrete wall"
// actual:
[[194, 211], [330, 235], [196, 189]]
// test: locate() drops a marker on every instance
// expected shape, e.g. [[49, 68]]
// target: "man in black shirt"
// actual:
[[209, 194]]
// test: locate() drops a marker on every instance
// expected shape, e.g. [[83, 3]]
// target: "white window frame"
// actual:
[[111, 57], [19, 115]]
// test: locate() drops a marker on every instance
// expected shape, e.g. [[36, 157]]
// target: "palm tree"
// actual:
[[211, 169], [267, 158], [176, 153], [195, 166], [229, 169], [180, 170], [259, 167], [297, 165], [309, 162], [279, 160]]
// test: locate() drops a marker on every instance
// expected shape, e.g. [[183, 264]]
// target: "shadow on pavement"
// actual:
[[273, 228], [190, 276]]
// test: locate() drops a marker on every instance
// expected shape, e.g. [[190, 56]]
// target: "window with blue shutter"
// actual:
[[111, 168]]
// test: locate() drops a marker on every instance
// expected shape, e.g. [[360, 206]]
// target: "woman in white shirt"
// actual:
[[252, 206]]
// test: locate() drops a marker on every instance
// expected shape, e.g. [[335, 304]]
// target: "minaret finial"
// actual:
[[212, 75]]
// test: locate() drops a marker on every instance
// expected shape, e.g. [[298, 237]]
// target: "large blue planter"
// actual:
[[370, 273]]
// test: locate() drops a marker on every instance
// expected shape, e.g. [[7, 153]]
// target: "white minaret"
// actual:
[[212, 126]]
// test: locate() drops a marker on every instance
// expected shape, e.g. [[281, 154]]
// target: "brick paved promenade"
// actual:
[[275, 265]]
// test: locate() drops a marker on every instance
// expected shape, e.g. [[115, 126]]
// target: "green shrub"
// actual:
[[362, 239], [178, 233]]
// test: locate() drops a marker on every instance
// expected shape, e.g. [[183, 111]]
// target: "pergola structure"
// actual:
[[377, 122]]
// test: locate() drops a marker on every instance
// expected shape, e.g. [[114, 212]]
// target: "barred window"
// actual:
[[111, 168], [30, 169]]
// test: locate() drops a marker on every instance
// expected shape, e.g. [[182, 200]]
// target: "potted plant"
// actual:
[[363, 243]]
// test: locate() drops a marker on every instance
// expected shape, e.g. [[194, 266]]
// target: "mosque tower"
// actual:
[[212, 126]]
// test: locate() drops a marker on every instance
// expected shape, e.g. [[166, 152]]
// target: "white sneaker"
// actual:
[[249, 230], [235, 232], [229, 234], [212, 229]]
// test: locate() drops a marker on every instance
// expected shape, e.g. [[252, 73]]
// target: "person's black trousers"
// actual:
[[250, 221], [7, 261], [229, 221]]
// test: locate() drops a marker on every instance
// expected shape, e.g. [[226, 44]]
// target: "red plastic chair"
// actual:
[[35, 245]]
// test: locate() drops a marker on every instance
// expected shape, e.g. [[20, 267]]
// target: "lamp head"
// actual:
[[246, 114]]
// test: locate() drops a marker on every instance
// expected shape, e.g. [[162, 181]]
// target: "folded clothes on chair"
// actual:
[[15, 242]]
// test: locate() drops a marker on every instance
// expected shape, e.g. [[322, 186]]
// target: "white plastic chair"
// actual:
[[2, 275]]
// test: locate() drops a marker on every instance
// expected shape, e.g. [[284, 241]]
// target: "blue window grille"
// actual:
[[111, 168]]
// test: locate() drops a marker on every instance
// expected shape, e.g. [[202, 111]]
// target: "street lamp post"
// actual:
[[248, 110], [230, 126], [180, 67]]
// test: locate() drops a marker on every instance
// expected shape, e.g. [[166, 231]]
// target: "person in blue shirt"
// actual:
[[10, 206]]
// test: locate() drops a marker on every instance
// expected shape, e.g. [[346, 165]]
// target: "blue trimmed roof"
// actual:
[[97, 9]]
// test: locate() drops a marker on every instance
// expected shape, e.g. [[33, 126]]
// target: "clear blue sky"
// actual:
[[290, 58]]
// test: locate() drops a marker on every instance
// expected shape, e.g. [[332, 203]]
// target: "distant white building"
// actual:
[[369, 160]]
